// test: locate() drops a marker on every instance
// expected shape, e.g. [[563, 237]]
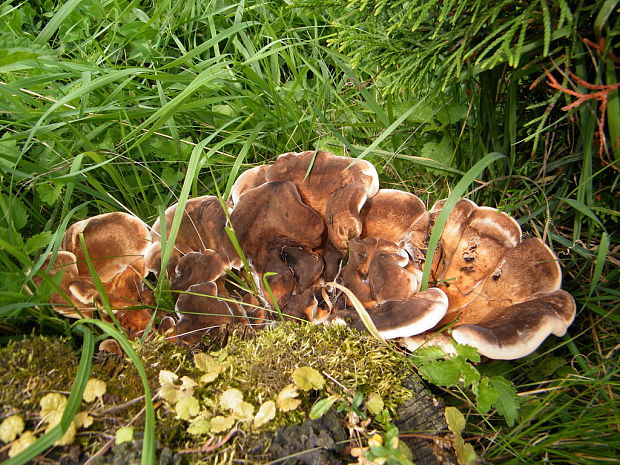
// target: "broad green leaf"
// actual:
[[48, 192], [507, 404], [321, 407], [467, 352], [442, 372], [429, 352], [38, 241], [375, 404], [486, 396]]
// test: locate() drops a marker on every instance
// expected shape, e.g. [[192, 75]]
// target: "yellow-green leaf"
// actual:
[[465, 454], [455, 420], [172, 392], [375, 404], [83, 420], [95, 388], [187, 408], [287, 400], [307, 378], [11, 427], [52, 402], [200, 425], [266, 413], [245, 411], [24, 441], [220, 424], [124, 434], [209, 365], [68, 437], [231, 399]]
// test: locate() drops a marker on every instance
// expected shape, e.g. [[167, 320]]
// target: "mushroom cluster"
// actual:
[[312, 218]]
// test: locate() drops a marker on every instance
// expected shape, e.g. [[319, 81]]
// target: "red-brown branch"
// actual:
[[600, 95]]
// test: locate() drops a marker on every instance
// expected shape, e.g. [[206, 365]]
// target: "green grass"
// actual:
[[154, 104]]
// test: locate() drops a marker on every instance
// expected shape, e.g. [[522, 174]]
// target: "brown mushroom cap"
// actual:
[[116, 243], [269, 218], [379, 271], [113, 240], [201, 228], [249, 179], [452, 231], [335, 187], [391, 214], [487, 235], [518, 330], [200, 310], [529, 268], [396, 319], [196, 267], [66, 263]]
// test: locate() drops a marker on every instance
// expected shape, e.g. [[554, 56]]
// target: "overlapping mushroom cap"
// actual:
[[313, 217], [116, 244]]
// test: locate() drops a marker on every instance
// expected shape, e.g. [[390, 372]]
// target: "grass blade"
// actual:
[[52, 26], [148, 446], [361, 311]]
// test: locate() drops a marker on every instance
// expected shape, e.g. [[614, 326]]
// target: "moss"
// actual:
[[30, 368], [259, 366]]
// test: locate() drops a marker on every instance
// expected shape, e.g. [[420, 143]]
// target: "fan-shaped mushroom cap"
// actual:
[[305, 265], [200, 310], [196, 267], [249, 179], [269, 218], [391, 215], [113, 240], [116, 243], [518, 330], [65, 263], [335, 187], [395, 319], [379, 271], [527, 269], [486, 237], [452, 231], [201, 228]]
